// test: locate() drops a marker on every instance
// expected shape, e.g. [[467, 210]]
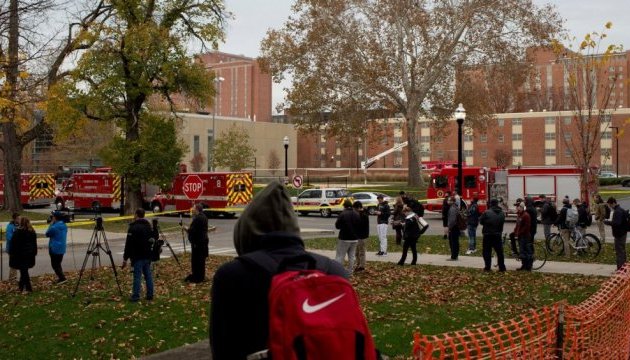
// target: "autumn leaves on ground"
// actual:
[[99, 323]]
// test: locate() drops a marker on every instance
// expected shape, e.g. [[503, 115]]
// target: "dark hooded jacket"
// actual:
[[239, 318], [492, 221]]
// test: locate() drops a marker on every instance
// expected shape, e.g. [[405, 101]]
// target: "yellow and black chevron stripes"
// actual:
[[116, 188], [41, 186], [240, 189]]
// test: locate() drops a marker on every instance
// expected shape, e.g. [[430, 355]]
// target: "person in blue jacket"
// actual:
[[11, 226], [57, 232]]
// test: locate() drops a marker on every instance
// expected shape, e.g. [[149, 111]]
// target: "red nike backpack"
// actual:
[[313, 315]]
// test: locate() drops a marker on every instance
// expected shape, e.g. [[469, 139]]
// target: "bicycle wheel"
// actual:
[[555, 245], [589, 246], [540, 254]]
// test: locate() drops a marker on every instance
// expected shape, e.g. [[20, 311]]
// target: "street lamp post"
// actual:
[[460, 116], [217, 95], [616, 149], [285, 141]]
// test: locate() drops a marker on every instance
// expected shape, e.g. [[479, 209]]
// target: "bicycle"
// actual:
[[540, 252], [587, 245]]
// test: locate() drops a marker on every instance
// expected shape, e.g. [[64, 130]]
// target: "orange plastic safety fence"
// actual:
[[532, 336], [599, 327]]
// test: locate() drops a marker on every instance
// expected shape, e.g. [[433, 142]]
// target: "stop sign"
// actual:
[[192, 187]]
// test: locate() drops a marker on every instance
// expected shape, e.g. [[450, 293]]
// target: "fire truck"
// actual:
[[555, 182], [214, 190], [94, 190], [36, 189]]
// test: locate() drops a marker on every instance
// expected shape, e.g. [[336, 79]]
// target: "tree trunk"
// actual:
[[413, 153], [133, 200], [12, 157]]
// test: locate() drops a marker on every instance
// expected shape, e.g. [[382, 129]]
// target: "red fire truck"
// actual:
[[507, 184], [215, 190], [36, 189], [98, 189]]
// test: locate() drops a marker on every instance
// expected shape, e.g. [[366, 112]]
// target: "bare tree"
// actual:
[[588, 95], [347, 57], [197, 162], [503, 157], [31, 62], [273, 162]]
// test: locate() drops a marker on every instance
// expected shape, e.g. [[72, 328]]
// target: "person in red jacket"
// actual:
[[522, 232]]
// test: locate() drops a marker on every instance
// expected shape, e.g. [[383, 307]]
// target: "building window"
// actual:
[[517, 121], [567, 136], [424, 125], [440, 154], [468, 153], [517, 152], [550, 152], [550, 136], [397, 139], [606, 151], [484, 154], [567, 120], [425, 139], [468, 137], [516, 137], [607, 135], [567, 153], [439, 139], [501, 122], [550, 121], [483, 138], [195, 145], [501, 138], [606, 118]]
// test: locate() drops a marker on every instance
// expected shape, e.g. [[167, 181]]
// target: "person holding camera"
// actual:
[[57, 233], [198, 238], [138, 249]]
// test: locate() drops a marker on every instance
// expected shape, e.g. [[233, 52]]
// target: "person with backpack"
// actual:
[[472, 221], [567, 218], [348, 223], [411, 234], [138, 249], [198, 238], [584, 218], [548, 215], [619, 224], [363, 232], [243, 320], [492, 221], [602, 213]]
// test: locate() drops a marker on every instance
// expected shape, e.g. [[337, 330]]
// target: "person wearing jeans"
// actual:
[[383, 213], [57, 232], [453, 229], [492, 221], [619, 230], [472, 222], [348, 223], [138, 249], [411, 235], [363, 233]]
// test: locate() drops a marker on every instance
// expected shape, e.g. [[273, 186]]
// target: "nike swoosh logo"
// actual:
[[309, 309]]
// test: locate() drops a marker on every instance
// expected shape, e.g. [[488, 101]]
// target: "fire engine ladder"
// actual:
[[369, 162]]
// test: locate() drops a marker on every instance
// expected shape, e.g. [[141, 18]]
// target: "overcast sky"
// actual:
[[252, 19]]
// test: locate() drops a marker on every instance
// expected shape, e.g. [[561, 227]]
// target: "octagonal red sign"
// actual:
[[192, 187]]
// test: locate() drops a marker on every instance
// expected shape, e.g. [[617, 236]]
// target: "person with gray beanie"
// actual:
[[239, 313]]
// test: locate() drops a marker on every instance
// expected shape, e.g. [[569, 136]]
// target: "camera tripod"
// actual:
[[98, 242], [160, 236]]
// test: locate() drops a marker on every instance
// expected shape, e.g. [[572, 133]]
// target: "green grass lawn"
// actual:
[[434, 244], [99, 323]]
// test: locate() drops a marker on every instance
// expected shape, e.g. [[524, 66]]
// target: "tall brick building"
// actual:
[[533, 135], [244, 91]]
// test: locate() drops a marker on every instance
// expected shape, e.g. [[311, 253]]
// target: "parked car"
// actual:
[[369, 201], [325, 201], [607, 175], [625, 182]]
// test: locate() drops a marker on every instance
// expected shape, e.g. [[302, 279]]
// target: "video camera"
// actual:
[[64, 216]]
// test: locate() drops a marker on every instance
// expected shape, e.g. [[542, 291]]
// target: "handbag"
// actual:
[[423, 225]]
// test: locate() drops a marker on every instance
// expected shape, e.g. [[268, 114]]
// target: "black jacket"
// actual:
[[364, 226], [137, 245], [583, 215], [383, 217], [415, 206], [411, 229], [492, 221], [618, 222], [239, 319], [198, 230], [562, 216], [348, 223], [533, 215], [23, 249]]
